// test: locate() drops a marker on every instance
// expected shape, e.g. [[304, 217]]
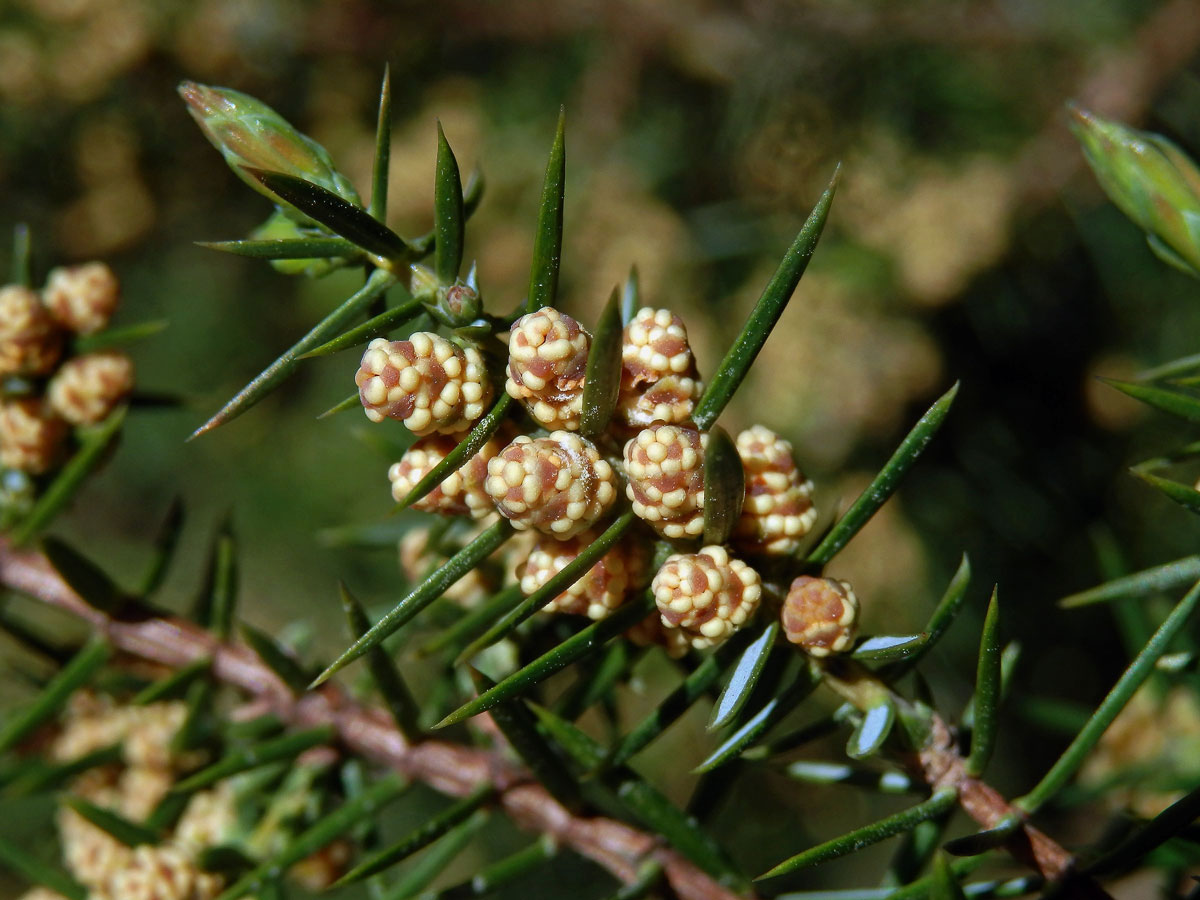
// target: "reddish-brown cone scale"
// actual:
[[665, 467], [778, 510], [558, 485], [547, 360], [820, 615], [707, 595], [603, 588], [461, 493], [427, 382]]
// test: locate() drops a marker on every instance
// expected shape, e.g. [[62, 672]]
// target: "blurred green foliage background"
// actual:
[[967, 242]]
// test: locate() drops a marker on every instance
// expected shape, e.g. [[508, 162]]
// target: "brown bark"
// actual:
[[456, 770], [370, 733], [942, 767]]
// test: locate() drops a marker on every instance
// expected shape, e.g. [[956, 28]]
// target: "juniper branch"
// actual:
[[369, 732], [943, 768]]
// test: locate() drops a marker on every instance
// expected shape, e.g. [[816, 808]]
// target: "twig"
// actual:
[[370, 733], [941, 766]]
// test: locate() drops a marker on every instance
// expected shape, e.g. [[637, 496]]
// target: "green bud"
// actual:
[[455, 306], [461, 301], [280, 227], [1151, 180], [250, 133], [423, 284]]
